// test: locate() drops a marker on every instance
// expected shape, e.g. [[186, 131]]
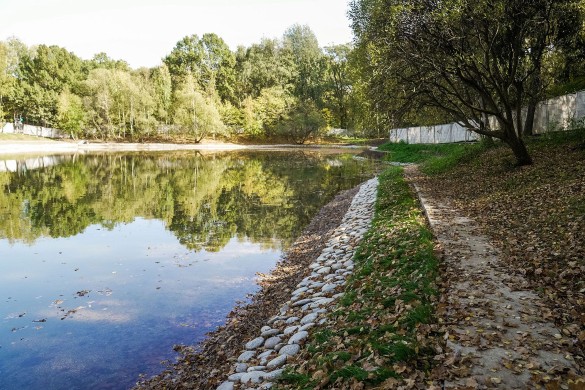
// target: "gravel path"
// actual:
[[497, 335]]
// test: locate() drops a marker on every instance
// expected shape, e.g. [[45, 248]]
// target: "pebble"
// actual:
[[254, 377], [298, 337], [277, 361], [272, 342], [264, 354], [302, 302], [309, 318], [273, 375], [290, 330], [313, 296], [253, 344], [227, 385], [255, 368], [236, 377], [270, 332], [246, 356], [290, 350], [241, 367]]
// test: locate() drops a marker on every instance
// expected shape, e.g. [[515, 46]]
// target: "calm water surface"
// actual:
[[107, 261]]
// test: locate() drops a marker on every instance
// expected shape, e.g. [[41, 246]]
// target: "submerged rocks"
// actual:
[[264, 357]]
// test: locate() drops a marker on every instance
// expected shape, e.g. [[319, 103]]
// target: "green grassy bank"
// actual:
[[382, 332]]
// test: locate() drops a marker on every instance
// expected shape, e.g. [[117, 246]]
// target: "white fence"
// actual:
[[32, 163], [551, 115], [39, 131]]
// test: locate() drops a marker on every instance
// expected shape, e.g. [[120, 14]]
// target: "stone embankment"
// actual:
[[263, 358]]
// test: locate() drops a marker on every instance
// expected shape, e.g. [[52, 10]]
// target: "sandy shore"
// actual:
[[13, 147]]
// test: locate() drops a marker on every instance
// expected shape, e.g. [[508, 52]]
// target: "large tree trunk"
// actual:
[[519, 149], [529, 123]]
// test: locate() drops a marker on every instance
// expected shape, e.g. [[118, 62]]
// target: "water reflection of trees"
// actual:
[[203, 200]]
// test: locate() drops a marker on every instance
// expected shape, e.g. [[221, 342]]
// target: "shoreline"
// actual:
[[207, 365], [45, 147]]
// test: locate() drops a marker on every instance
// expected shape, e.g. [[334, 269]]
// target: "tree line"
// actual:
[[277, 88]]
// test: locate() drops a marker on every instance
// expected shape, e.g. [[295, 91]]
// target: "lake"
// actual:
[[109, 260]]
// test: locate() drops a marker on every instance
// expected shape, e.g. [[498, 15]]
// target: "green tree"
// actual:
[[339, 82], [71, 115], [41, 76], [469, 59], [102, 60], [208, 59], [162, 93], [262, 65], [303, 121], [272, 107], [195, 114], [303, 55], [218, 66], [6, 81], [119, 104]]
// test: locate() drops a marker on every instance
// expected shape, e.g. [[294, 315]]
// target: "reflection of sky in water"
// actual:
[[95, 310]]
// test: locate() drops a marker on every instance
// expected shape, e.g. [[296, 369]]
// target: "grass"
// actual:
[[383, 328], [383, 333], [434, 158]]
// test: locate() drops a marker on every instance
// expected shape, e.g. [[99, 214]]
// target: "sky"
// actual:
[[142, 32]]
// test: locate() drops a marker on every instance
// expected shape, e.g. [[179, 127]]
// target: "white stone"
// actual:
[[246, 356], [322, 302], [299, 290], [277, 362], [291, 320], [227, 385], [278, 346], [270, 332], [236, 377], [265, 328], [254, 377], [298, 337], [271, 342], [270, 376], [255, 368], [290, 350], [241, 367], [290, 329], [302, 302], [264, 354], [324, 270], [253, 344], [309, 318], [307, 326]]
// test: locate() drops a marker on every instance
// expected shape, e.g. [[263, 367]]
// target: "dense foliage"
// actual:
[[484, 64], [287, 88]]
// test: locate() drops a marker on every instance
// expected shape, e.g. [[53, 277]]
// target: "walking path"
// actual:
[[498, 332]]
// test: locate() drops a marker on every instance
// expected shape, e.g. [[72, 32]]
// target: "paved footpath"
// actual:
[[498, 336]]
